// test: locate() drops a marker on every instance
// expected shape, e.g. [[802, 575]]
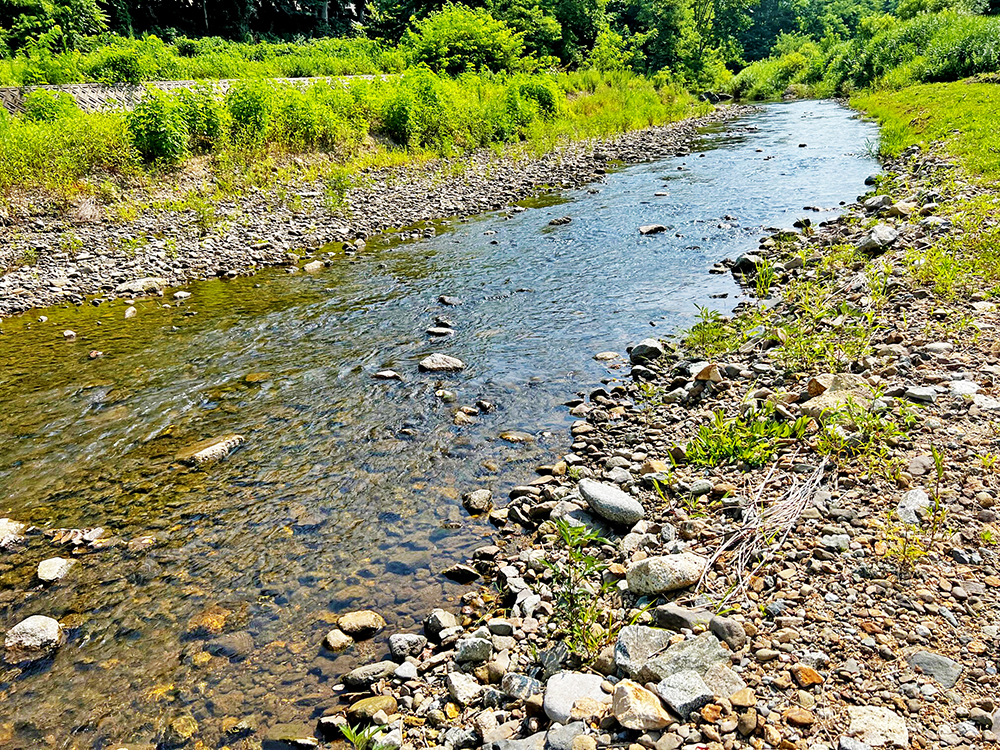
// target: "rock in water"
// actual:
[[637, 708], [363, 711], [387, 375], [54, 568], [147, 285], [361, 624], [337, 640], [11, 533], [313, 267], [611, 503], [478, 501], [658, 575], [652, 229], [32, 639], [441, 363], [402, 645], [211, 449], [364, 677], [646, 351]]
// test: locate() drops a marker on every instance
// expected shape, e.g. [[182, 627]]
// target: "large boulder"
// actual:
[[665, 573], [33, 638], [611, 503], [698, 654]]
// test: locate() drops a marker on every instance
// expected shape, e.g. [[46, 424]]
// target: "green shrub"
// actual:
[[205, 118], [458, 39], [419, 112], [251, 107], [119, 65], [158, 128], [43, 105], [544, 93]]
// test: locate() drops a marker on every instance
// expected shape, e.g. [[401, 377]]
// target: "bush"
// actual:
[[251, 106], [158, 129], [205, 118], [419, 112], [457, 39], [42, 105], [544, 93], [119, 65]]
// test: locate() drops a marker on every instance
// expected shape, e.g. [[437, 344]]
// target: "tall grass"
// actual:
[[888, 54], [418, 114]]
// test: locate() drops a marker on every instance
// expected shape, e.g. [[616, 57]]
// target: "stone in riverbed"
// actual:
[[652, 229], [478, 501], [363, 711], [922, 394], [909, 507], [387, 375], [646, 351], [289, 737], [684, 692], [362, 623], [463, 688], [611, 503], [946, 671], [438, 362], [402, 645], [314, 266], [364, 677], [699, 654], [636, 644], [11, 533], [337, 640], [567, 690], [33, 638], [439, 331], [520, 686], [147, 285], [473, 649], [211, 449], [231, 645], [460, 573], [637, 708], [664, 573], [54, 569], [877, 726], [877, 240], [438, 620]]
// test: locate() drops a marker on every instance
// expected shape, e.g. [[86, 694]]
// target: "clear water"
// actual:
[[347, 491]]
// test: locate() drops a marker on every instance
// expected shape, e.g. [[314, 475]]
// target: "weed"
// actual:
[[752, 439], [902, 544], [362, 738]]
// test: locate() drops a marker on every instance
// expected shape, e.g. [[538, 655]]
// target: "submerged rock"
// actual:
[[33, 638], [441, 363], [363, 623], [211, 449], [54, 568]]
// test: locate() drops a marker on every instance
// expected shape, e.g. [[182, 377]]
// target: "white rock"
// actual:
[[658, 575], [463, 688], [441, 363], [182, 295], [564, 690], [611, 503], [54, 568], [909, 507], [878, 726], [33, 638], [11, 533], [69, 334], [130, 312]]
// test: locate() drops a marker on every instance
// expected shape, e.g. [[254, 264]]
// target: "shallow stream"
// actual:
[[347, 491]]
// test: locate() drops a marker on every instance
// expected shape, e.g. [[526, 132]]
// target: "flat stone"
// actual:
[[611, 503], [987, 403], [964, 388], [387, 375], [878, 239], [565, 690], [520, 686], [946, 671], [211, 449], [728, 631], [635, 646], [363, 711], [138, 287], [841, 389], [473, 650], [363, 623], [464, 689], [675, 617], [698, 654], [236, 645], [33, 638], [877, 726], [364, 677], [438, 620], [664, 573], [637, 708], [534, 742], [684, 692], [723, 681], [313, 266], [652, 229], [292, 736], [406, 671], [54, 569], [922, 394], [441, 363]]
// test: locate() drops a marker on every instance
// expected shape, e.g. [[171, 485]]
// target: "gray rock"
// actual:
[[564, 689], [534, 742], [635, 646], [560, 737], [402, 645], [684, 692], [836, 542], [659, 575], [701, 487], [33, 638], [478, 501], [138, 287], [520, 686], [964, 388], [877, 201], [473, 650], [922, 394], [463, 688], [438, 620], [849, 743], [364, 677], [441, 363], [461, 737], [878, 239], [941, 668], [387, 375], [909, 507], [698, 654], [646, 351], [987, 403], [406, 671], [54, 569], [611, 503], [747, 263], [675, 617], [723, 681], [728, 631]]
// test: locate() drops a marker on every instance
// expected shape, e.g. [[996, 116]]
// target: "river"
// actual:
[[347, 491]]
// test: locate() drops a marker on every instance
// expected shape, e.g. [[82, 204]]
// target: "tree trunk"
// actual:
[[324, 12], [204, 8]]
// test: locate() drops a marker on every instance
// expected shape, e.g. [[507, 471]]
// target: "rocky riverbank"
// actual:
[[59, 260], [778, 533]]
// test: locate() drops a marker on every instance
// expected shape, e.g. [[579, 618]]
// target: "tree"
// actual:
[[56, 25], [458, 39]]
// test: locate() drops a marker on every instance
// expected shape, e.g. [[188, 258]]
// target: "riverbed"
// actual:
[[347, 490]]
